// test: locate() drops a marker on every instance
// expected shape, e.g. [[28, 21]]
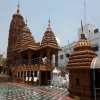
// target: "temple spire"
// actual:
[[49, 22], [49, 25], [81, 26], [82, 35], [18, 8]]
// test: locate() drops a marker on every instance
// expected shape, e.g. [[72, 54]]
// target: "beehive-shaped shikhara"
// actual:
[[20, 36], [49, 39], [17, 23], [26, 40], [82, 54]]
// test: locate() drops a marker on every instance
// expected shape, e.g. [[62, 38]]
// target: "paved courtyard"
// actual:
[[15, 91]]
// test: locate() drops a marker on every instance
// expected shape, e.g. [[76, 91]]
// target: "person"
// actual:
[[44, 60]]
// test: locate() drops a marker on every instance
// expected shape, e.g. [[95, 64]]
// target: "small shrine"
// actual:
[[79, 67]]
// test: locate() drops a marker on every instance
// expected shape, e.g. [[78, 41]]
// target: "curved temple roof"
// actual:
[[82, 55], [49, 39]]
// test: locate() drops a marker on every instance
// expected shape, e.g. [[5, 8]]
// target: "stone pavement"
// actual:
[[15, 91]]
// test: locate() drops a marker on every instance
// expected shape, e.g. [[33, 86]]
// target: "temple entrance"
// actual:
[[45, 77]]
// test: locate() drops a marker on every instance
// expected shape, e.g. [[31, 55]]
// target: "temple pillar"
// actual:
[[48, 56], [33, 74], [56, 59], [40, 78], [38, 74], [26, 73], [23, 76], [29, 73], [17, 74], [53, 60]]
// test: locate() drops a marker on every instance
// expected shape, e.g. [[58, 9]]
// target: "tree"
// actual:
[[2, 63]]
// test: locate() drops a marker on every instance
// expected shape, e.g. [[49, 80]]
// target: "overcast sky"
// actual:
[[65, 17]]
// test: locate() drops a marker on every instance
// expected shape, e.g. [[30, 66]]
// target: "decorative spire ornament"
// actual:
[[18, 8], [49, 25], [81, 26], [49, 22], [82, 35]]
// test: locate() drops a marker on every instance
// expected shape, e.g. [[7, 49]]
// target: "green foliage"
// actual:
[[2, 60]]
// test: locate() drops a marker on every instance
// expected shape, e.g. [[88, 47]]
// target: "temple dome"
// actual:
[[82, 55], [83, 42]]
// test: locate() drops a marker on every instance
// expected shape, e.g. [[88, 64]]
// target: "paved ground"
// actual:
[[15, 91]]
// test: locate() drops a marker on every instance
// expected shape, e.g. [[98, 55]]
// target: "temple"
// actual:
[[27, 59], [79, 66]]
